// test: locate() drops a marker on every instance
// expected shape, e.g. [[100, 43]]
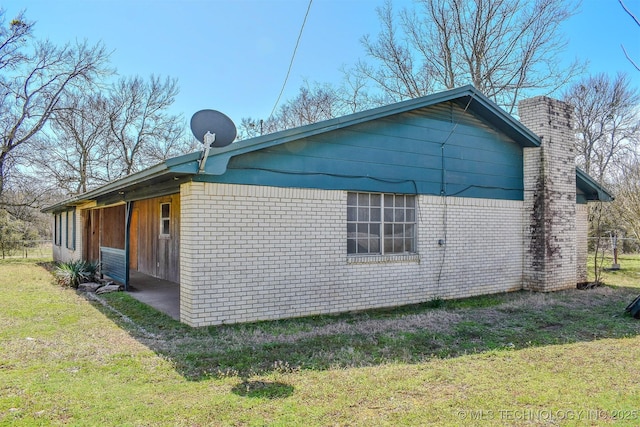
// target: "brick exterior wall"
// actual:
[[582, 234], [255, 253], [550, 196]]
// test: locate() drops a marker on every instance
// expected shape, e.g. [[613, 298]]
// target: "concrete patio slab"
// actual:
[[160, 294]]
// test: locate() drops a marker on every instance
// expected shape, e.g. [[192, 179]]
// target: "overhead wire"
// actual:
[[293, 56]]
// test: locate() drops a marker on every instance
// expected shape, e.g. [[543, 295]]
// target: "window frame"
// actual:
[[57, 229], [165, 219], [70, 225], [381, 223]]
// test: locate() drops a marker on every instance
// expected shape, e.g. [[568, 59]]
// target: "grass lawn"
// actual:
[[566, 358]]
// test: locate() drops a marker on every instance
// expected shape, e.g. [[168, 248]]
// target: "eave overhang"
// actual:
[[591, 189], [155, 181]]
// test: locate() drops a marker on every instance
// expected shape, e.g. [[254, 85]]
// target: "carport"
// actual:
[[160, 294]]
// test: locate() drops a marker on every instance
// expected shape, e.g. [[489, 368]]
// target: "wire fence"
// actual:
[[26, 249], [625, 245]]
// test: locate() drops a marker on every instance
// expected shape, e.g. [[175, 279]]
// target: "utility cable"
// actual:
[[443, 196], [295, 49]]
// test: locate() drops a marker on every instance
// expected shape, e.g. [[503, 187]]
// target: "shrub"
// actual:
[[72, 273]]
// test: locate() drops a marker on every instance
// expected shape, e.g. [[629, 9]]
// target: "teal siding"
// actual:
[[405, 153]]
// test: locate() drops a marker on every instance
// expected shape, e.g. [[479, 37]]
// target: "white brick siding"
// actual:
[[582, 234], [549, 196], [255, 253]]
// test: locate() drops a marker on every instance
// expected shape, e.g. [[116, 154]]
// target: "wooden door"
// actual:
[[91, 238], [86, 235]]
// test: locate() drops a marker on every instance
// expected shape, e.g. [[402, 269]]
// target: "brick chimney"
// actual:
[[549, 196]]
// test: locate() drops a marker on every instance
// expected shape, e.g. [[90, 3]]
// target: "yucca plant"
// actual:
[[72, 273]]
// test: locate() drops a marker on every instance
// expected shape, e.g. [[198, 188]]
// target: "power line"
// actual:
[[295, 49]]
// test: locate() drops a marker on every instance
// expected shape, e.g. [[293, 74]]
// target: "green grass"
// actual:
[[628, 275], [567, 358]]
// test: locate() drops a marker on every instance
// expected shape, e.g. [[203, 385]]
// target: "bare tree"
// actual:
[[626, 185], [13, 40], [311, 105], [607, 121], [24, 193], [175, 143], [397, 69], [353, 94], [250, 128], [98, 137], [74, 151], [35, 77], [140, 127], [505, 48]]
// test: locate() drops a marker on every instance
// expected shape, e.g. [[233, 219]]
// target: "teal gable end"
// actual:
[[453, 143], [436, 150]]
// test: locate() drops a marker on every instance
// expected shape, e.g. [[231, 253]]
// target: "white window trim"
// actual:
[[381, 257], [57, 229], [163, 218]]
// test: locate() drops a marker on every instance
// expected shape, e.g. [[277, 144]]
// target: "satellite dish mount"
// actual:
[[209, 138]]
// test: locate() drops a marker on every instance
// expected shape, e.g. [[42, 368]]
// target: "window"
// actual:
[[381, 223], [71, 229], [57, 229], [165, 219]]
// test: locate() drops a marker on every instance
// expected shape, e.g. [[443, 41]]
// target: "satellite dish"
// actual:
[[217, 125]]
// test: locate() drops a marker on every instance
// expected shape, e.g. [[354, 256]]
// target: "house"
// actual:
[[444, 196]]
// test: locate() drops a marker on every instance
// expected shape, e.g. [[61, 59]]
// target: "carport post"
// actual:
[[127, 234]]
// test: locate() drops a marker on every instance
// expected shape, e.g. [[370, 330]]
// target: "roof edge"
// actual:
[[127, 181], [590, 186]]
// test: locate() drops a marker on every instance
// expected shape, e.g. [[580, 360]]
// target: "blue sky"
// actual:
[[233, 56]]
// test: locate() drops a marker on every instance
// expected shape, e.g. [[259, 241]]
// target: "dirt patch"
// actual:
[[436, 321]]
